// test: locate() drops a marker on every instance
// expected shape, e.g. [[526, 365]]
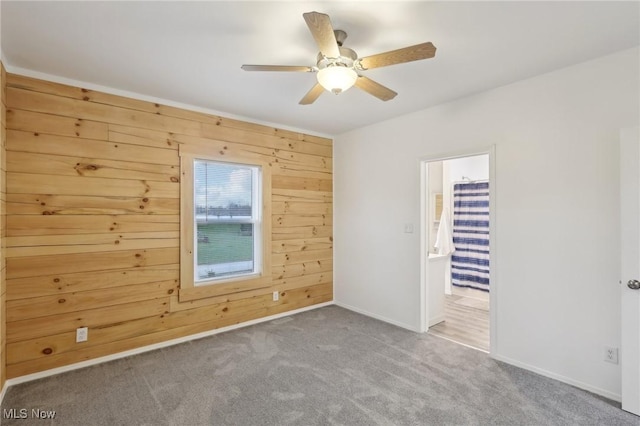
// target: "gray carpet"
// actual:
[[322, 367]]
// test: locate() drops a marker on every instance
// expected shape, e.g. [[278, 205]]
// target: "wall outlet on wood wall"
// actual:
[[82, 334]]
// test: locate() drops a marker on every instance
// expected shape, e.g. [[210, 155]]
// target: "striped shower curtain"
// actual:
[[470, 261]]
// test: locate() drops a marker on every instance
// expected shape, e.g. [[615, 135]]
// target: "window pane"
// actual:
[[224, 219], [224, 249], [222, 191]]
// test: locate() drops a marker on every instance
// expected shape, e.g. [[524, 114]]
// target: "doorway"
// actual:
[[456, 217]]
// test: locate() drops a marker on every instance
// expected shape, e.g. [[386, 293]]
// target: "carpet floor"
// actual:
[[327, 366]]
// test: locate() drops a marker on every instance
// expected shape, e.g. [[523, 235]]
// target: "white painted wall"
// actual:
[[475, 168], [556, 194], [434, 179], [1, 51]]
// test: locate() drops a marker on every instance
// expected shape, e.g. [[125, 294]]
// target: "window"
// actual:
[[225, 225], [228, 220]]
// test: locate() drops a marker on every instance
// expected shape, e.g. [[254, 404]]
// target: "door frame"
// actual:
[[425, 229], [629, 299]]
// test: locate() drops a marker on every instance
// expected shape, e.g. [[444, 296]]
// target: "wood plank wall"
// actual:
[[93, 223], [3, 190]]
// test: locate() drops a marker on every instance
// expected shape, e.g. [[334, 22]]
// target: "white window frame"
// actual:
[[190, 289]]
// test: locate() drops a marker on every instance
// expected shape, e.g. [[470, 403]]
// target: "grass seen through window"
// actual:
[[224, 243]]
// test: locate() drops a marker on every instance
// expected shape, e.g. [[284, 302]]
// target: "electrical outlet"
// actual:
[[408, 228], [611, 354], [276, 296], [82, 334]]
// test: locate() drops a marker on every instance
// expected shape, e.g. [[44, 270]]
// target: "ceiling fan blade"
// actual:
[[322, 31], [312, 95], [294, 68], [375, 89], [407, 54]]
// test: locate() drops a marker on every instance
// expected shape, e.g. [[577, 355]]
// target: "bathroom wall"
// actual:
[[441, 177], [475, 168]]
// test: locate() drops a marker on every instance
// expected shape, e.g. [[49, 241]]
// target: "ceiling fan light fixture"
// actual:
[[338, 67], [336, 79]]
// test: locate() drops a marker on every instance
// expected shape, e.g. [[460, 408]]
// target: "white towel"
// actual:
[[444, 238]]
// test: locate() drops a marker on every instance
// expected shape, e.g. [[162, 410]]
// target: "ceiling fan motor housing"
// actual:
[[347, 59]]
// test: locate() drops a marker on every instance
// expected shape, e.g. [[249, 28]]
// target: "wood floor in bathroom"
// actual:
[[466, 321]]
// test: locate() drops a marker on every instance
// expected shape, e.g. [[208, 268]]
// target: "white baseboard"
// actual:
[[378, 317], [602, 392], [459, 343], [95, 361], [3, 391]]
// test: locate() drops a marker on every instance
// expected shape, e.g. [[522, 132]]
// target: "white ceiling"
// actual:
[[191, 52]]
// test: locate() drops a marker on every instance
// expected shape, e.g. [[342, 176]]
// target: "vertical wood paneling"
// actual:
[[92, 230]]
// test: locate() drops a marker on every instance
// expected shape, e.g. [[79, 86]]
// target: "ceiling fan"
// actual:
[[338, 68]]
